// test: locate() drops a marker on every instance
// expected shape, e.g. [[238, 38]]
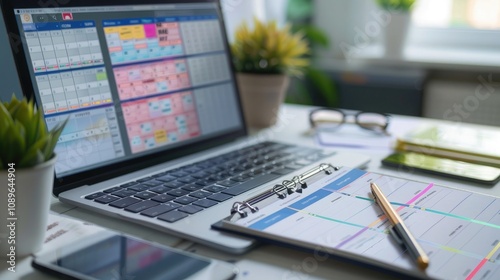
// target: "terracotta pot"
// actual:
[[261, 96], [30, 195]]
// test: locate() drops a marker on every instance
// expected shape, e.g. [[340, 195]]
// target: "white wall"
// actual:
[[341, 19], [238, 11]]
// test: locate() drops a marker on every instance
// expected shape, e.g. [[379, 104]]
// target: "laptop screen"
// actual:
[[133, 80]]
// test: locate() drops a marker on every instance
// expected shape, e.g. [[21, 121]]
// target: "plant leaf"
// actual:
[[32, 158], [324, 85], [14, 143]]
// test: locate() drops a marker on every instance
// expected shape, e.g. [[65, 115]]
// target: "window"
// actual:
[[475, 14], [465, 24]]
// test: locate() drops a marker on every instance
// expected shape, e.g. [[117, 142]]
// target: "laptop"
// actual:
[[156, 134]]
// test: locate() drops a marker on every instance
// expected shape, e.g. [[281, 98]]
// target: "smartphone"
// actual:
[[115, 256], [442, 166]]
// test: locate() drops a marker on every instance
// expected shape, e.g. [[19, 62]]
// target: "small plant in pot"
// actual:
[[396, 5], [397, 27], [27, 162], [264, 58]]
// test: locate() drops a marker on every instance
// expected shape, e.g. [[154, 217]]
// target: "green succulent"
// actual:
[[24, 139], [398, 5], [267, 49]]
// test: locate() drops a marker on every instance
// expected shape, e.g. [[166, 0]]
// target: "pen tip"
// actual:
[[422, 263]]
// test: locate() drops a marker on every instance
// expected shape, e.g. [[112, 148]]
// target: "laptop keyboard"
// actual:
[[175, 194]]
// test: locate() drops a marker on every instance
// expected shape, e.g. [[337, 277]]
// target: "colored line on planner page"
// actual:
[[383, 217], [483, 262]]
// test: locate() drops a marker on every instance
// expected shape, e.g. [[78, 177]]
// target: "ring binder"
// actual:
[[337, 216], [287, 187]]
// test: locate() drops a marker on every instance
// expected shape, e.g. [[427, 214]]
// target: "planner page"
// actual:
[[459, 230]]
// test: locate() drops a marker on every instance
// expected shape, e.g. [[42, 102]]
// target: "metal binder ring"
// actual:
[[276, 191], [237, 209], [326, 167], [289, 185], [303, 184], [251, 207]]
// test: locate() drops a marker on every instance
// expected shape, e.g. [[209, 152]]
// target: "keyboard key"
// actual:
[[145, 179], [248, 185], [160, 189], [145, 195], [240, 179], [192, 188], [124, 193], [153, 183], [113, 189], [139, 188], [160, 209], [124, 202], [105, 199], [201, 175], [205, 203], [219, 197], [214, 170], [185, 200], [174, 184], [94, 195], [163, 198], [166, 178], [214, 189], [228, 183], [200, 194], [141, 206], [282, 171], [203, 183], [187, 180], [190, 209], [129, 184], [178, 192], [172, 216]]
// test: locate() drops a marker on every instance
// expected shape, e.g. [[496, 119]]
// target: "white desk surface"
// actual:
[[265, 261]]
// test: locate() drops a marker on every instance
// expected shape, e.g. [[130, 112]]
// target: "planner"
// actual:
[[330, 211]]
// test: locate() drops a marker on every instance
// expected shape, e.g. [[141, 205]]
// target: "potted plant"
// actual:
[[396, 30], [26, 176], [264, 58]]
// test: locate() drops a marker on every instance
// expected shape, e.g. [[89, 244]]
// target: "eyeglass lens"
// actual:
[[332, 119], [327, 119], [372, 121]]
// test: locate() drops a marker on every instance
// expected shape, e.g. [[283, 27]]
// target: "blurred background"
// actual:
[[448, 66]]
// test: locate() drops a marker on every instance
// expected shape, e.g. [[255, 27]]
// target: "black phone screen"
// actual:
[[119, 257]]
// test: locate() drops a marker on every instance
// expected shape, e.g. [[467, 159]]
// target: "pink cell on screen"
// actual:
[[147, 72], [194, 130], [159, 124], [140, 46], [150, 30], [133, 129], [115, 49], [176, 104], [191, 118], [170, 123], [121, 76]]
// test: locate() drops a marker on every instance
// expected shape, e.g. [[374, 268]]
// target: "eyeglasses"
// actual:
[[331, 119]]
